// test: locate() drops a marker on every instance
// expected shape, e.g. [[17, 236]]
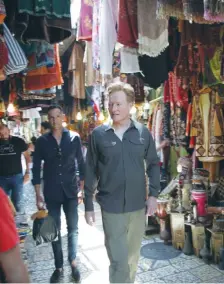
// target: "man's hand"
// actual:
[[80, 196], [90, 217], [40, 202], [26, 178], [151, 204], [81, 185]]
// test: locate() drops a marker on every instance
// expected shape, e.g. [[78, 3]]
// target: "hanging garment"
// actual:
[[76, 69], [155, 69], [4, 54], [128, 23], [170, 8], [39, 54], [45, 77], [2, 11], [90, 76], [129, 60], [179, 107], [31, 113], [166, 112], [208, 126], [152, 33], [85, 20], [52, 17], [95, 34], [214, 10], [17, 61], [138, 86], [107, 34]]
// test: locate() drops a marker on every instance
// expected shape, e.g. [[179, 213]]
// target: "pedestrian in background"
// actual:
[[59, 149], [11, 173], [115, 167]]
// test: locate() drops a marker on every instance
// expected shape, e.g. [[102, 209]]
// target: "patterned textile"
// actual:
[[51, 8], [166, 112], [170, 8], [208, 126], [220, 189], [85, 20], [4, 56], [17, 59], [179, 105], [39, 54], [152, 32], [2, 11], [127, 23], [76, 69]]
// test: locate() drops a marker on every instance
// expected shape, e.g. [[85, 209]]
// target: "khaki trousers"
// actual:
[[123, 237]]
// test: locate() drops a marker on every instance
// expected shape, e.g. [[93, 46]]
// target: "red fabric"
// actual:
[[8, 233], [127, 23], [166, 92]]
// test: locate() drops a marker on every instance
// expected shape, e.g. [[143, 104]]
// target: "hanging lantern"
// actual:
[[101, 116], [79, 116], [10, 108], [133, 110]]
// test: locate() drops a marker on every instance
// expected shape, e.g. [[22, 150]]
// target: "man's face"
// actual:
[[119, 107], [4, 133], [55, 118]]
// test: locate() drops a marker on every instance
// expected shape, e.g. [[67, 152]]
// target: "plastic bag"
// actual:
[[44, 230]]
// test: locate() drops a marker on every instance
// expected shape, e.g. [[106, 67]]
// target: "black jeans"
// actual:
[[70, 207]]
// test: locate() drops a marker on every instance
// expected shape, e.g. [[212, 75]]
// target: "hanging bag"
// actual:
[[17, 59], [44, 230]]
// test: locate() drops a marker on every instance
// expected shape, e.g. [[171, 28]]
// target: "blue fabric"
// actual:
[[13, 187], [59, 174], [71, 213]]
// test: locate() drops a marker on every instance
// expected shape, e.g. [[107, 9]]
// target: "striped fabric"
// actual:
[[17, 59]]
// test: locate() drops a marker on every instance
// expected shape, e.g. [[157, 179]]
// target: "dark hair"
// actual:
[[33, 140], [46, 125], [55, 107]]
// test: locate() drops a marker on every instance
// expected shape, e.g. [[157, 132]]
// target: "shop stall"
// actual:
[[171, 52]]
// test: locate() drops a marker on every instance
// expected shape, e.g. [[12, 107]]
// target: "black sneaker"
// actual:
[[76, 274], [57, 276]]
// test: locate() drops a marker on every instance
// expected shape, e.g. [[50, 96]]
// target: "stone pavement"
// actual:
[[165, 265]]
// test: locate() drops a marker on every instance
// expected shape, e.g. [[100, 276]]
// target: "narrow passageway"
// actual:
[[165, 265]]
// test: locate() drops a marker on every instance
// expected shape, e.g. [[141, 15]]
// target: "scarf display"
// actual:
[[194, 11], [170, 8], [85, 20], [127, 23], [214, 10], [152, 32], [207, 125]]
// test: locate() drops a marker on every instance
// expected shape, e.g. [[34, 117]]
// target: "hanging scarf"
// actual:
[[170, 8], [152, 33], [86, 20], [127, 23]]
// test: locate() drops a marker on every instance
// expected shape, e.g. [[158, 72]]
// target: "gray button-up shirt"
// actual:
[[116, 169]]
